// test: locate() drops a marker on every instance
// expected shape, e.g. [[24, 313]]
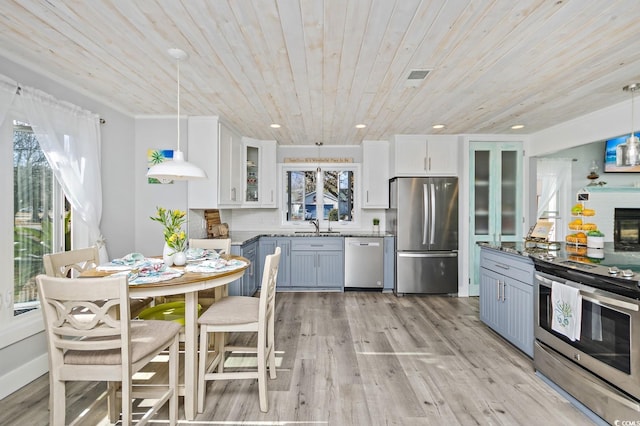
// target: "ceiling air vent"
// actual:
[[415, 77]]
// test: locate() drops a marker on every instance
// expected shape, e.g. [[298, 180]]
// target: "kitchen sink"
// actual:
[[317, 234]]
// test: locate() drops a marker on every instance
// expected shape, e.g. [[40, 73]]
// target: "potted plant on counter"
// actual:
[[376, 225]]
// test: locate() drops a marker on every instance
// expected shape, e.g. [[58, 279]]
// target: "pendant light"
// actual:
[[633, 146], [178, 169]]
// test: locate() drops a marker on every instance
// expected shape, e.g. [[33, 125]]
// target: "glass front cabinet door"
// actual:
[[259, 170], [496, 198], [252, 193]]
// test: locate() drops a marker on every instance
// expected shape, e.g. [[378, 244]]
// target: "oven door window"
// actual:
[[605, 332]]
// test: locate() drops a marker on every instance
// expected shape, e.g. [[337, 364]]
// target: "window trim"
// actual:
[[283, 168], [15, 328]]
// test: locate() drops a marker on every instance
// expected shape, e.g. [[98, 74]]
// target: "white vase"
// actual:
[[167, 255], [179, 259]]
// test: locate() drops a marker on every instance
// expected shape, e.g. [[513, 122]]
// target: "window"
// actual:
[[338, 188], [37, 228], [336, 184], [553, 194]]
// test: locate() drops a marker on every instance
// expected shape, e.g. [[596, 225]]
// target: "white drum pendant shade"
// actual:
[[178, 169]]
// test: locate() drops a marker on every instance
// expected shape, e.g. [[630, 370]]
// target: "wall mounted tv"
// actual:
[[616, 158]]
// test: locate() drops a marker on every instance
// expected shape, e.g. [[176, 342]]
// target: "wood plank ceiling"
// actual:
[[319, 67]]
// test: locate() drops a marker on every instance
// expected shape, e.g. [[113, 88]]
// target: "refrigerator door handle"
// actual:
[[432, 218], [432, 254], [426, 212]]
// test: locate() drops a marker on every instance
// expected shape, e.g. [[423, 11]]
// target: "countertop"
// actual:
[[246, 237], [608, 256]]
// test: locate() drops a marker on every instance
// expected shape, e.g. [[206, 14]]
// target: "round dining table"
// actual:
[[189, 284]]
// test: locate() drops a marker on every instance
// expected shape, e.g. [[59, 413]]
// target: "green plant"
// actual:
[[172, 220], [376, 221], [333, 215]]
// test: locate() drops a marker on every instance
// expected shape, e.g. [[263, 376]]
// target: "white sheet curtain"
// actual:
[[70, 139], [8, 90], [554, 190]]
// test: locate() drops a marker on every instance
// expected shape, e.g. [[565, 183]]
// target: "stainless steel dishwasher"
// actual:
[[363, 259]]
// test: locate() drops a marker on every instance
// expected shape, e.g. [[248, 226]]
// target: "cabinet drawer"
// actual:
[[317, 243], [514, 266], [249, 251]]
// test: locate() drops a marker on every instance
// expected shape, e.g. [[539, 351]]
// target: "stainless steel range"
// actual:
[[601, 368]]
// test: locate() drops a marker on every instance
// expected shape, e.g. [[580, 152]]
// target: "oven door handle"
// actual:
[[604, 301], [601, 300]]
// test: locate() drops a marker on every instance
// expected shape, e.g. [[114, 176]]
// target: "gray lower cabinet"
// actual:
[[506, 296], [317, 263], [389, 263], [251, 275], [235, 288], [268, 246], [248, 284]]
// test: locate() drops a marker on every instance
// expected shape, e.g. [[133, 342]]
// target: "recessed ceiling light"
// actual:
[[517, 126], [274, 126], [438, 126], [360, 126]]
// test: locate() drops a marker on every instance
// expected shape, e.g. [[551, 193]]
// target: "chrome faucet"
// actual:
[[316, 223]]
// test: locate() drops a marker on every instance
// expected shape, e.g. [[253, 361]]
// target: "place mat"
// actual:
[[199, 254], [216, 266], [129, 262], [147, 277]]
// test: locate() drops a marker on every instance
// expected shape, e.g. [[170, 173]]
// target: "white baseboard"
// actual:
[[23, 375]]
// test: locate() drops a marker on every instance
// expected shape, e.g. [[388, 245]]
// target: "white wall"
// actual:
[[154, 133], [582, 139], [596, 126]]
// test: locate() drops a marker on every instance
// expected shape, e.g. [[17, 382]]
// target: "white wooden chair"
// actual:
[[96, 346], [222, 246], [70, 264], [241, 314]]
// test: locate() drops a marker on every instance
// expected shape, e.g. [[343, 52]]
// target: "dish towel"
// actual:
[[567, 310]]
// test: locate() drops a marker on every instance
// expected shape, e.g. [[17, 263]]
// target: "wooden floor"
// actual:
[[362, 358]]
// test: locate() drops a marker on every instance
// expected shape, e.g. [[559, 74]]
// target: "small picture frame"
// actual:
[[540, 232]]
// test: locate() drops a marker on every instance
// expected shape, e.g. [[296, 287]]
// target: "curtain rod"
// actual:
[[19, 92]]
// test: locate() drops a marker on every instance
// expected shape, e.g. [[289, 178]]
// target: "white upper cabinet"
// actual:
[[259, 173], [424, 155], [242, 172], [229, 170], [375, 174], [203, 152]]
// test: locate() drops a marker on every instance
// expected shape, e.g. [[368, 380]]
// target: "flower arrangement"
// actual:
[[172, 220]]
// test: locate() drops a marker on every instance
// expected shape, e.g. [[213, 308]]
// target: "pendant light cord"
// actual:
[[632, 114], [178, 79]]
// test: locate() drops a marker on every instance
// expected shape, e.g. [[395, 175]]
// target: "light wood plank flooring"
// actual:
[[362, 358]]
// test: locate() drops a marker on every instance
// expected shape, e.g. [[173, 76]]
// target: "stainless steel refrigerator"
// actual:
[[423, 215]]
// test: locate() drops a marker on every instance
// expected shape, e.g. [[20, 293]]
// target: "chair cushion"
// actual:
[[231, 310], [146, 338]]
